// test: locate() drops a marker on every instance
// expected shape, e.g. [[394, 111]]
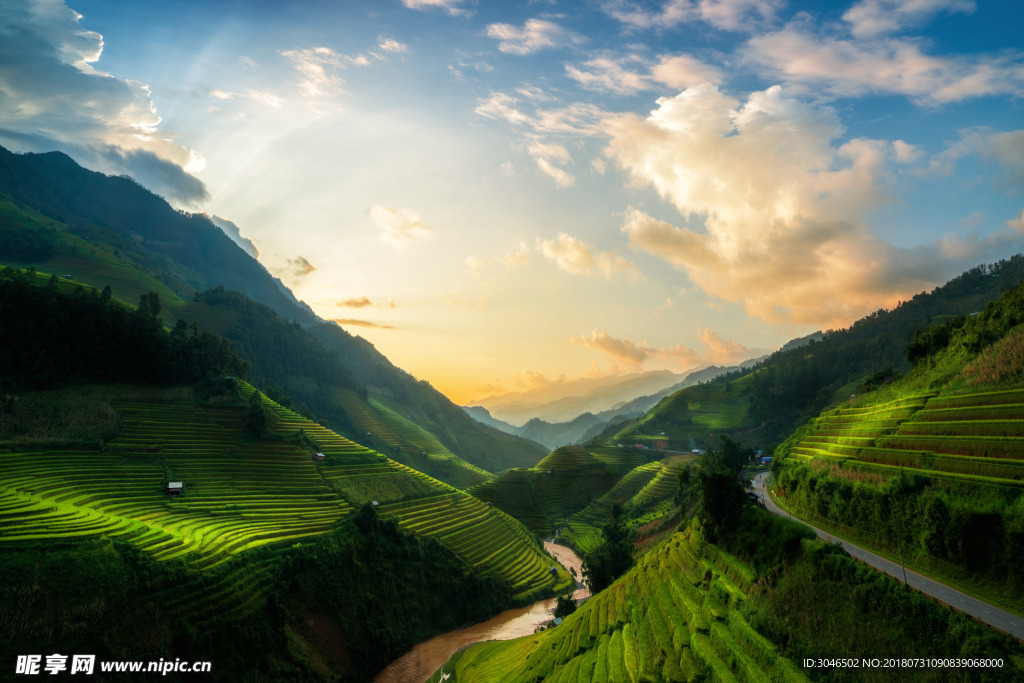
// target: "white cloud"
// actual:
[[579, 258], [391, 45], [562, 177], [449, 6], [53, 99], [782, 206], [536, 34], [400, 227], [733, 15], [905, 152], [610, 75], [684, 71], [316, 64], [1017, 223], [549, 151], [508, 169], [717, 351], [632, 73], [844, 67], [871, 18], [581, 118]]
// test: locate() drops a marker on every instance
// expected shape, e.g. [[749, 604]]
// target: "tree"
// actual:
[[565, 605], [612, 558]]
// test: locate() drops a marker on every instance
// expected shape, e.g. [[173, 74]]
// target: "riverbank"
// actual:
[[423, 660]]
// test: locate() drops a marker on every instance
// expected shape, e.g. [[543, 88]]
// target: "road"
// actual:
[[991, 615]]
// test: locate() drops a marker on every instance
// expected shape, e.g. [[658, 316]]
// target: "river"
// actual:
[[419, 663]]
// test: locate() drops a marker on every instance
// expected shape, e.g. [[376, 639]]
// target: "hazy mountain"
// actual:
[[480, 414], [561, 433], [565, 400]]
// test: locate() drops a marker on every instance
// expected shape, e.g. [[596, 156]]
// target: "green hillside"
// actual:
[[646, 493], [690, 611], [762, 406], [944, 446], [566, 481]]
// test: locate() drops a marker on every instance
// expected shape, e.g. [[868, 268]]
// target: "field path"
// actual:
[[980, 610]]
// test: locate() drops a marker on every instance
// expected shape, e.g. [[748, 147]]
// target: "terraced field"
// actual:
[[976, 436], [564, 482], [671, 618], [690, 414], [239, 495], [483, 536], [418, 447], [649, 490]]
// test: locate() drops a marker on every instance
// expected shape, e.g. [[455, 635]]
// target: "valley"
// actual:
[[195, 471]]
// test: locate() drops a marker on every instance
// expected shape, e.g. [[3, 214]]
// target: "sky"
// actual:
[[504, 195]]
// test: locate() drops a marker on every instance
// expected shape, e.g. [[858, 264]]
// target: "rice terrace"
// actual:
[[451, 341]]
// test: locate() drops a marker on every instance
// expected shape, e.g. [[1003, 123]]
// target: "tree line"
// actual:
[[49, 336]]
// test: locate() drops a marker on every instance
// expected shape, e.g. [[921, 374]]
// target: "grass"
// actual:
[[648, 624], [566, 481], [239, 494]]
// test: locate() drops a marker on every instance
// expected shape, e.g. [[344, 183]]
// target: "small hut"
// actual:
[[320, 457], [174, 488], [554, 570]]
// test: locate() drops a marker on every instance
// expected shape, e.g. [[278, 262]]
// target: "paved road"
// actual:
[[999, 618]]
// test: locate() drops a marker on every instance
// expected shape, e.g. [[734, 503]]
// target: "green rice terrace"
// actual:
[[673, 617], [241, 494], [688, 417], [409, 442], [973, 436], [565, 481], [646, 493]]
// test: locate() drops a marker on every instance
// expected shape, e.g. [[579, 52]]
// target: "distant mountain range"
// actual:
[[584, 425]]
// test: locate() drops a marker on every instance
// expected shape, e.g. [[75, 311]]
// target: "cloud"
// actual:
[[535, 35], [579, 258], [1017, 223], [449, 6], [510, 260], [871, 18], [400, 227], [580, 118], [632, 73], [355, 302], [843, 67], [300, 267], [621, 350], [546, 153], [316, 64], [391, 45], [53, 99], [733, 15], [361, 323], [232, 231], [530, 379], [905, 152], [782, 207], [717, 351]]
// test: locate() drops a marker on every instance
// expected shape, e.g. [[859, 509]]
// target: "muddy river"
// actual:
[[419, 663]]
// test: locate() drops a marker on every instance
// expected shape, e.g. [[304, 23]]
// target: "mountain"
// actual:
[[567, 399], [186, 250], [480, 414], [109, 231], [764, 403], [559, 434]]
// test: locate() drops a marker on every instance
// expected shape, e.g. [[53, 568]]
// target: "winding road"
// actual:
[[989, 614]]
